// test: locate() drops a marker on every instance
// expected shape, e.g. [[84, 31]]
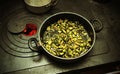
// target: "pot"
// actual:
[[40, 6], [91, 28]]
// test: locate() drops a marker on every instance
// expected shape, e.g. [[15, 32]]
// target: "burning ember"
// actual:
[[30, 29]]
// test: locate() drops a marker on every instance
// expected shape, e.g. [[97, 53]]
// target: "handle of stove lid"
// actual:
[[34, 44]]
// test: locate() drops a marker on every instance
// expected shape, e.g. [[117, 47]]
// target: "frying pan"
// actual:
[[37, 6], [91, 27]]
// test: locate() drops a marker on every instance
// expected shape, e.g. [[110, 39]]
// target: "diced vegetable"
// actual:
[[66, 39]]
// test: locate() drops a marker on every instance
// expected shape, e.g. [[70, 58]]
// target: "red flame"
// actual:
[[30, 29]]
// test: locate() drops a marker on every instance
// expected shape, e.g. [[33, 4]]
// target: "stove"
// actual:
[[15, 54], [16, 44]]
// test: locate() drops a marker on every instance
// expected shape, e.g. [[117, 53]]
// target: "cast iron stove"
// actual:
[[15, 54]]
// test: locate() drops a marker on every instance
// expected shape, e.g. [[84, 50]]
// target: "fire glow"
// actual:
[[30, 29]]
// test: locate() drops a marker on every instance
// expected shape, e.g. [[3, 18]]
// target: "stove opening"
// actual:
[[30, 29]]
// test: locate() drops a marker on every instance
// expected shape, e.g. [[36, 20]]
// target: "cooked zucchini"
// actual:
[[66, 39]]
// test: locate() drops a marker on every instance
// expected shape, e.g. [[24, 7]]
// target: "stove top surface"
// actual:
[[15, 54]]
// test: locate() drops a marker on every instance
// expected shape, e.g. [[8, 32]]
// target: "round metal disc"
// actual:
[[15, 26]]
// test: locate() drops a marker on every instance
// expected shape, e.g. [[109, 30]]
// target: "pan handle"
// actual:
[[97, 24], [53, 3], [36, 46]]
